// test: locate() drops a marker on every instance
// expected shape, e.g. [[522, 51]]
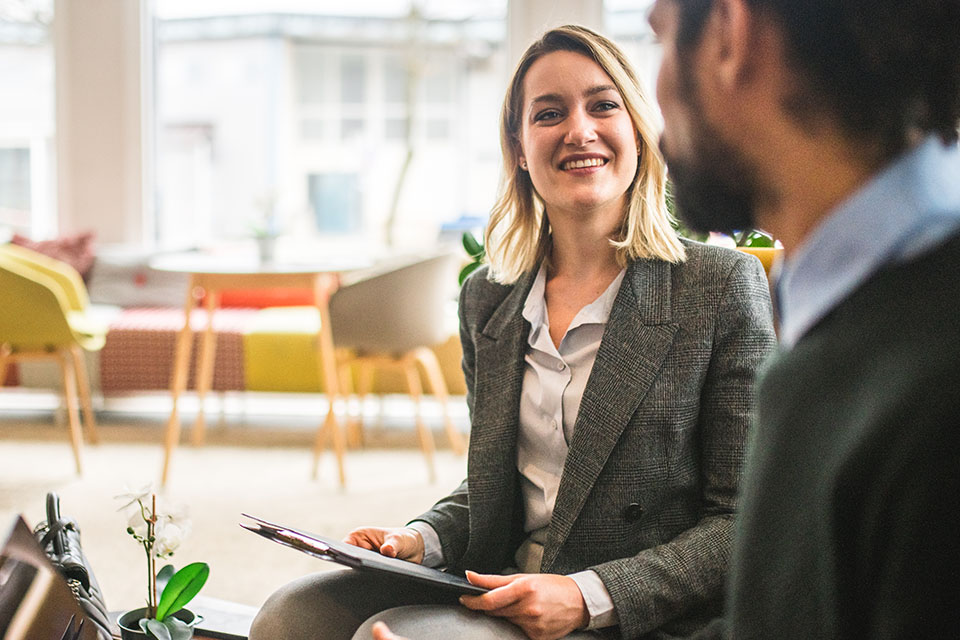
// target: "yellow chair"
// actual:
[[44, 317]]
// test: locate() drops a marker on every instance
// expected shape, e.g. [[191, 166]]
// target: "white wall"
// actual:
[[101, 141]]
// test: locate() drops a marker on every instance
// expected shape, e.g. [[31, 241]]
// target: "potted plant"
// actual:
[[160, 534]]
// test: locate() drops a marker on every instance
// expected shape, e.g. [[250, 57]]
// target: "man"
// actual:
[[833, 124]]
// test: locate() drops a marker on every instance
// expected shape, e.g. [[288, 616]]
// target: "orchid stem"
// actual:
[[151, 562]]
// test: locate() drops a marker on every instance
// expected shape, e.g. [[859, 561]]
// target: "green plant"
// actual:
[[160, 534], [753, 238], [475, 251]]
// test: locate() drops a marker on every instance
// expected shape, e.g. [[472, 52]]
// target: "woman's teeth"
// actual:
[[580, 164]]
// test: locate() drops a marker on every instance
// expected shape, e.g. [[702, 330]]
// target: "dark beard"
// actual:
[[715, 187], [714, 191]]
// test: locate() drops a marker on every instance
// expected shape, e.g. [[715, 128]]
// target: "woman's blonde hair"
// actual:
[[518, 233]]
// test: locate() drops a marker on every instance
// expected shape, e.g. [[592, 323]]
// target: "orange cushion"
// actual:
[[263, 298]]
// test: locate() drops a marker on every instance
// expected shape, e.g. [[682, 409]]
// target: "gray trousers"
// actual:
[[344, 604]]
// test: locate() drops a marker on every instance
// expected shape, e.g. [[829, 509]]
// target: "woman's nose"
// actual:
[[581, 129]]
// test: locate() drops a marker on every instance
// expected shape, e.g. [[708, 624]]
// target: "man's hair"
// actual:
[[882, 69], [518, 233]]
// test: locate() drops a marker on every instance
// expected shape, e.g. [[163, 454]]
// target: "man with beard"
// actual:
[[833, 125]]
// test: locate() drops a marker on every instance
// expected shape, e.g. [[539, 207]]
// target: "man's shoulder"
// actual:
[[905, 314]]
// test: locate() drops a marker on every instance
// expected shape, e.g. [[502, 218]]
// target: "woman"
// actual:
[[609, 367]]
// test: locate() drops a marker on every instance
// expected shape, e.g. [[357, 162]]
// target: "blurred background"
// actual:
[[181, 123]]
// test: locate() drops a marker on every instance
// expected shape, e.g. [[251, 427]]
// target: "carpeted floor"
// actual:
[[258, 468]]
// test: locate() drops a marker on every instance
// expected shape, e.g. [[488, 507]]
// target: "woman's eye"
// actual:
[[607, 105], [549, 114]]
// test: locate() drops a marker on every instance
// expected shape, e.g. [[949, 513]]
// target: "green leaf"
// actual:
[[181, 589], [472, 246], [163, 577], [467, 270], [758, 239], [179, 630], [155, 628]]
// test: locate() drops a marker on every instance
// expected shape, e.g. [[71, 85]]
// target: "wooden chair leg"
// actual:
[[364, 387], [4, 362], [83, 386], [332, 428], [73, 411], [426, 437], [431, 366], [353, 423]]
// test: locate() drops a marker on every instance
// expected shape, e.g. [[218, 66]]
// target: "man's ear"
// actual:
[[734, 26]]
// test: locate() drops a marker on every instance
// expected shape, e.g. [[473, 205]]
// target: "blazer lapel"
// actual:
[[636, 341], [493, 440]]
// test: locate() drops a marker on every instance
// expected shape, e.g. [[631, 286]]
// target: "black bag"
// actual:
[[60, 539]]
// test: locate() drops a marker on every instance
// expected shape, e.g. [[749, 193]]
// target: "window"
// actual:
[[311, 104], [15, 179], [335, 201], [27, 187]]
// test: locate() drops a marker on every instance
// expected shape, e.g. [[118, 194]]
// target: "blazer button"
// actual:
[[633, 512]]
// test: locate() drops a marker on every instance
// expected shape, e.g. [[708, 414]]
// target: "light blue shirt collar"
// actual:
[[909, 207]]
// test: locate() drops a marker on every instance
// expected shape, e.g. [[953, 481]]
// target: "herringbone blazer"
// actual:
[[649, 486]]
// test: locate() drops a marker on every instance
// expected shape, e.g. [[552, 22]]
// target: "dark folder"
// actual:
[[357, 558]]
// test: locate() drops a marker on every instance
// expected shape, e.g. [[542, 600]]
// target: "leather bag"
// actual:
[[60, 539]]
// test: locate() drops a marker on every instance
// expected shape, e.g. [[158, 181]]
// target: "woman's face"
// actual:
[[576, 136]]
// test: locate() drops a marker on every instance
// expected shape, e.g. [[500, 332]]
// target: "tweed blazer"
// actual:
[[649, 485]]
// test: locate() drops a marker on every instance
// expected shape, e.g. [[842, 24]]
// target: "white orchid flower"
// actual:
[[168, 538], [132, 497]]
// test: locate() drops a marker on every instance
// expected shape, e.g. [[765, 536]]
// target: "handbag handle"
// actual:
[[53, 521]]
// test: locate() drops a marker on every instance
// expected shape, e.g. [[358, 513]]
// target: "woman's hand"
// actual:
[[402, 542], [382, 632], [545, 606]]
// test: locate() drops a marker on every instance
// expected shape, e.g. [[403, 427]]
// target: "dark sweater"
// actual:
[[850, 522]]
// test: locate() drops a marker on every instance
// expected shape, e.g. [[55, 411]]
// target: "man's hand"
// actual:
[[403, 543], [381, 632], [544, 605]]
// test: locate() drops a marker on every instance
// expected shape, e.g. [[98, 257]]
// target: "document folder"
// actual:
[[357, 558]]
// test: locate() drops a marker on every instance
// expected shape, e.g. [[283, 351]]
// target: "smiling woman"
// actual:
[[609, 367]]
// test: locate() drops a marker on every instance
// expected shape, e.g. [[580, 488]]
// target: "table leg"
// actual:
[[178, 382], [208, 352], [327, 359]]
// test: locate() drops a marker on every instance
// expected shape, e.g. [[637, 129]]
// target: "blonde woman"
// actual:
[[609, 367]]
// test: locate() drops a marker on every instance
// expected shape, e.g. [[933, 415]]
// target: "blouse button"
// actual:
[[633, 512]]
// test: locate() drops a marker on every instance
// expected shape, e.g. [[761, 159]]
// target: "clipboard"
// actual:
[[357, 558]]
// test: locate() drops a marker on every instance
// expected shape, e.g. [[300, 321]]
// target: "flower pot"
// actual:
[[266, 248], [768, 255], [129, 623]]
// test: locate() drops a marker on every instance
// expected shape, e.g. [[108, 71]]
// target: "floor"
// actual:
[[256, 461]]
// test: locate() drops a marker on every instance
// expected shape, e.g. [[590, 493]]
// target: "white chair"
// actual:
[[391, 320]]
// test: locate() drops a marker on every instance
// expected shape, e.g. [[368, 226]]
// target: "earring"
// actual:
[[523, 165]]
